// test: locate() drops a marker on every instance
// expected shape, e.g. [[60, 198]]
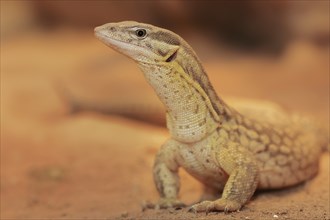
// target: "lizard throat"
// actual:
[[188, 116]]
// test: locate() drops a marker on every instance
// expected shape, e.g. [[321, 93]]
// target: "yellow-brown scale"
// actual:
[[228, 151]]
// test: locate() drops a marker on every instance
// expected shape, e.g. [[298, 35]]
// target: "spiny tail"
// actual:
[[134, 109]]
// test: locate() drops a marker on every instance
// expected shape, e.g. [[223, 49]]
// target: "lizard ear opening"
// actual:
[[172, 57]]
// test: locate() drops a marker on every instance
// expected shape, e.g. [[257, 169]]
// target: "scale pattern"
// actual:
[[230, 152]]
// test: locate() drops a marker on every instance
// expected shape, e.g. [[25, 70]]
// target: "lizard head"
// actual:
[[141, 42], [150, 45]]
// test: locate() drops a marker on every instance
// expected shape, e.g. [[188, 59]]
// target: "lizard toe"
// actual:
[[226, 205], [165, 203], [201, 207], [218, 205]]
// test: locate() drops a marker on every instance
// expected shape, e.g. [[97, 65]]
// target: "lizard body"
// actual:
[[228, 152]]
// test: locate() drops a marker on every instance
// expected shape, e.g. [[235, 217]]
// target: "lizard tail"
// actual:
[[67, 97]]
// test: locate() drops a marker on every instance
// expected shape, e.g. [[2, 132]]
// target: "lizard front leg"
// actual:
[[242, 168], [166, 177]]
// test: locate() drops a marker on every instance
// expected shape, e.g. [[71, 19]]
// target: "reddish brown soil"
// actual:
[[87, 166]]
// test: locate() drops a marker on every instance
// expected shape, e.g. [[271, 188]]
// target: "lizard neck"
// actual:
[[191, 64], [193, 109]]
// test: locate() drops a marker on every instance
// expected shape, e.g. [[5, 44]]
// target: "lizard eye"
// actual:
[[141, 33]]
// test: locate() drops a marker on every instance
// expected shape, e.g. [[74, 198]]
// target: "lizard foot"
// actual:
[[165, 203], [218, 205]]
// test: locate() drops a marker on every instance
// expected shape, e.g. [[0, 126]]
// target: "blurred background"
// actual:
[[61, 158], [253, 26]]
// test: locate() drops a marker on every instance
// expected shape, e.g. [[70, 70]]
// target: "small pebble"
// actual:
[[275, 216]]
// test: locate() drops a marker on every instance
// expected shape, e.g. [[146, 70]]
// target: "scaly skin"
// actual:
[[229, 153]]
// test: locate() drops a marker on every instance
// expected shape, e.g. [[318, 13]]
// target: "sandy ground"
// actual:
[[90, 166]]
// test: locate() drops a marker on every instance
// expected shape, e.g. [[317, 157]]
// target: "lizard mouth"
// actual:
[[114, 43], [128, 49]]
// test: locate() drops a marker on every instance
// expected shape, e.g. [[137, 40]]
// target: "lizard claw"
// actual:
[[201, 207], [209, 208]]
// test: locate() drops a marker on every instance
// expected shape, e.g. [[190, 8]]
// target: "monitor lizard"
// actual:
[[230, 153]]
